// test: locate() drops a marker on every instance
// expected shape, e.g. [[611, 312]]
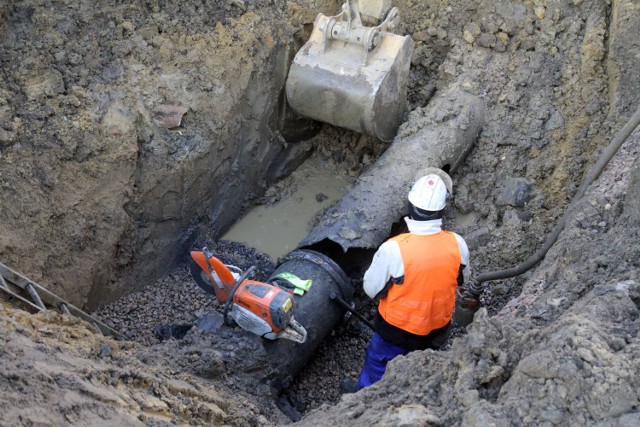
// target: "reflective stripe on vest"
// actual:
[[426, 298]]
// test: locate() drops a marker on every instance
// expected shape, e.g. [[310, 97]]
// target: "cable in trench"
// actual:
[[473, 292]]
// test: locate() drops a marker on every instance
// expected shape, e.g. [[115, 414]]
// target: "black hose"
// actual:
[[594, 173], [229, 299]]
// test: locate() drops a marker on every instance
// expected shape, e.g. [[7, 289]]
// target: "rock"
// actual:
[[421, 36], [321, 197], [478, 238], [503, 37], [479, 417], [409, 416], [177, 331], [510, 219], [169, 116], [105, 351], [555, 121], [515, 192], [470, 32], [6, 136], [210, 322], [349, 234], [487, 40]]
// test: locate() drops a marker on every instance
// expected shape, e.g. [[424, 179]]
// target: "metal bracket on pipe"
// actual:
[[334, 297]]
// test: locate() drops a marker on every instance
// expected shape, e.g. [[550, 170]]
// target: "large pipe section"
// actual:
[[439, 137], [315, 311]]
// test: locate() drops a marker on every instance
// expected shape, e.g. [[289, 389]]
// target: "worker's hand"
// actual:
[[466, 299], [471, 302]]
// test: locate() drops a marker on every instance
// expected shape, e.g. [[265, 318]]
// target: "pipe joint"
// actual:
[[475, 289]]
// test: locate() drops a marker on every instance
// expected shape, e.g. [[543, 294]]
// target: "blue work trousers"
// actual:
[[379, 353]]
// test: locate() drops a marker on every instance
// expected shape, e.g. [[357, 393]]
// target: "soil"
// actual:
[[100, 201], [57, 371], [89, 165]]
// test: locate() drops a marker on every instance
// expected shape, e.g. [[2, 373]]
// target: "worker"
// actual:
[[414, 276]]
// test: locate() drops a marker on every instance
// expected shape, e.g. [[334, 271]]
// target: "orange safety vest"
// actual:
[[425, 300]]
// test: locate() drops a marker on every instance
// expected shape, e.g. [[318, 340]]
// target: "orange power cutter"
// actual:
[[261, 308]]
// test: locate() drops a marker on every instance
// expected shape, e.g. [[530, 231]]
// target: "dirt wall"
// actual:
[[98, 196], [53, 361], [565, 349]]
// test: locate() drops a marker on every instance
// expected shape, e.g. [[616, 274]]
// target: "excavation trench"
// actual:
[[100, 203], [364, 217], [347, 228], [333, 255]]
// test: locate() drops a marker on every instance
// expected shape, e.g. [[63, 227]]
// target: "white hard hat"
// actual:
[[429, 193]]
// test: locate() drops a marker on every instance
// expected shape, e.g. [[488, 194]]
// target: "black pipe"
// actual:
[[314, 311]]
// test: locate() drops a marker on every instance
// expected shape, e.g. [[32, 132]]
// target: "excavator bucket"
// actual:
[[352, 75]]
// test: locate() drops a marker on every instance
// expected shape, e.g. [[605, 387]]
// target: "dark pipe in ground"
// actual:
[[314, 310], [441, 136]]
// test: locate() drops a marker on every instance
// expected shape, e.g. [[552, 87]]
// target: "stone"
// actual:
[[169, 116], [515, 192], [511, 219], [349, 234], [487, 40], [105, 351], [6, 136], [503, 37], [321, 197], [468, 37], [555, 121], [210, 322], [478, 238], [421, 36], [410, 415], [177, 331]]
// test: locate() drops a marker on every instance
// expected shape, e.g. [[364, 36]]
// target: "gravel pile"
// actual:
[[175, 299], [231, 355], [341, 356]]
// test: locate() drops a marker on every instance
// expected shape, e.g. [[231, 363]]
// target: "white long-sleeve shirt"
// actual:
[[387, 262]]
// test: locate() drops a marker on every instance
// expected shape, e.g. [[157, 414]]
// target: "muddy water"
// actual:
[[277, 229]]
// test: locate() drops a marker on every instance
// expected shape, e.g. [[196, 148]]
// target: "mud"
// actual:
[[56, 371], [277, 226], [93, 192]]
